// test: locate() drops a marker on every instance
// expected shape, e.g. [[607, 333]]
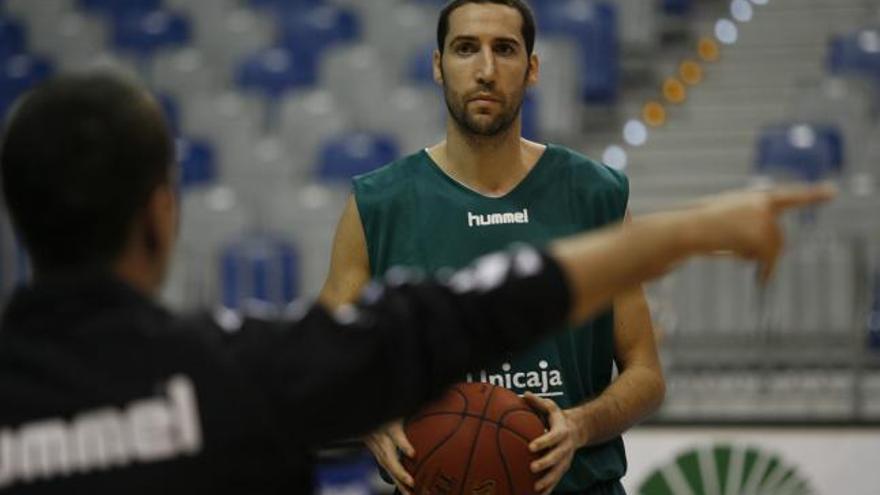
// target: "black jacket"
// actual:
[[103, 391]]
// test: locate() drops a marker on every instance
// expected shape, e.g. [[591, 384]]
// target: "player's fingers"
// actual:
[[548, 482], [540, 403], [770, 255], [404, 490], [547, 440], [801, 195], [398, 436], [551, 459], [399, 473]]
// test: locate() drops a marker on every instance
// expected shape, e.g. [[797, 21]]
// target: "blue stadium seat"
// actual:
[[677, 7], [272, 72], [14, 262], [855, 54], [531, 127], [593, 24], [18, 74], [307, 32], [197, 164], [119, 7], [807, 151], [13, 38], [284, 5], [344, 156], [146, 32], [874, 315], [259, 272], [172, 111], [420, 70]]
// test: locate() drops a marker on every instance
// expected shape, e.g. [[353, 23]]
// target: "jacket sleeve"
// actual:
[[331, 376]]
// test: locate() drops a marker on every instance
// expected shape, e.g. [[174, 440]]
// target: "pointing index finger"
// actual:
[[784, 198]]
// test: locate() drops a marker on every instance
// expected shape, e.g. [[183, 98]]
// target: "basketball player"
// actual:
[[102, 391], [481, 188]]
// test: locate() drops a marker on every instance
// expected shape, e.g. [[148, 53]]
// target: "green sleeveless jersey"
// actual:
[[413, 214]]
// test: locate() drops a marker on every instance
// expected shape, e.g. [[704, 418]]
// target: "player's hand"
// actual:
[[386, 444], [557, 445], [747, 223]]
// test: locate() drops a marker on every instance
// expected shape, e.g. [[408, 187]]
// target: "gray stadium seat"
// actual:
[[415, 115], [72, 39], [232, 36], [307, 119], [209, 217], [358, 78], [184, 73], [308, 215], [230, 120]]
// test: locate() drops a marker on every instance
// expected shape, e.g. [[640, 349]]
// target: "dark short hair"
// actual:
[[528, 20], [80, 158]]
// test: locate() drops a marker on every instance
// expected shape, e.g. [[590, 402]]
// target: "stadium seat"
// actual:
[[70, 38], [230, 37], [116, 7], [359, 79], [308, 32], [415, 116], [676, 7], [143, 33], [347, 155], [229, 120], [308, 214], [14, 264], [260, 272], [266, 161], [398, 31], [307, 119], [18, 74], [531, 122], [29, 9], [874, 317], [856, 54], [197, 165], [272, 72], [171, 110], [807, 151], [184, 73], [593, 24], [283, 5], [13, 40], [420, 69]]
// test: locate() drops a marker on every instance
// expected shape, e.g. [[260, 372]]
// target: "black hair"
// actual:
[[528, 20], [80, 158]]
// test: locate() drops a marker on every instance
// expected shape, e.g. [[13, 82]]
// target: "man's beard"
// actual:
[[465, 121]]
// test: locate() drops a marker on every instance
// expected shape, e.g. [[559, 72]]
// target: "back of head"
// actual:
[[80, 157]]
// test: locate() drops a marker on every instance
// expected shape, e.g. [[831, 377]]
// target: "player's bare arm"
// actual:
[[349, 273], [349, 263]]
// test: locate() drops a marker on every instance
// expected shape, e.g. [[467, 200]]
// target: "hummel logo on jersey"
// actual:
[[478, 220]]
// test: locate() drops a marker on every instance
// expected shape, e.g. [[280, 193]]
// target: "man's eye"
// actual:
[[505, 49], [465, 48]]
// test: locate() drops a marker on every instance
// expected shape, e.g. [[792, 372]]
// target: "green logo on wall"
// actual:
[[725, 470]]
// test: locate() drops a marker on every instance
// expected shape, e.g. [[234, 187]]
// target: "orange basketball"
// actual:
[[474, 440]]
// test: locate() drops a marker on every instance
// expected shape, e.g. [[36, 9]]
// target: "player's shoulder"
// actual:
[[389, 177], [587, 172]]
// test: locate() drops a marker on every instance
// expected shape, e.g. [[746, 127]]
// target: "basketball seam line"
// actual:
[[498, 424], [476, 439], [445, 439], [501, 451]]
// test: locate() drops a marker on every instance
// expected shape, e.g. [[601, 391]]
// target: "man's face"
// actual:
[[485, 68]]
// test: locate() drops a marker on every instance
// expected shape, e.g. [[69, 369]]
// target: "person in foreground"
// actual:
[[104, 391]]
